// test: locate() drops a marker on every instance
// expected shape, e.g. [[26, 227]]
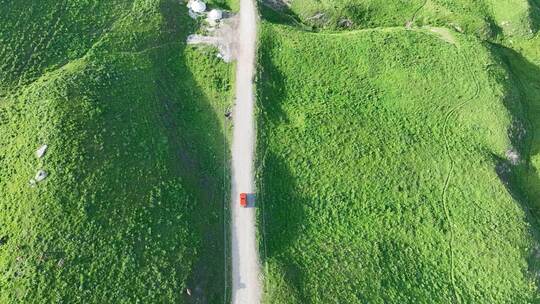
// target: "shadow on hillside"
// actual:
[[270, 86], [523, 180], [282, 215], [282, 207], [184, 107], [535, 15], [283, 15]]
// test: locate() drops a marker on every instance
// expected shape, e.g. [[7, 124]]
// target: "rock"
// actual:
[[346, 23], [457, 27], [513, 156], [41, 151], [40, 176], [279, 5]]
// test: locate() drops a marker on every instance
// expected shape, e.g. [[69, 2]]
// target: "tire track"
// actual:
[[444, 195], [415, 14]]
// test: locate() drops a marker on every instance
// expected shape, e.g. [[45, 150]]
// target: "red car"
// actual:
[[243, 200]]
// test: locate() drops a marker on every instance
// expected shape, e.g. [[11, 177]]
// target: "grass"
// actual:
[[383, 173], [382, 168], [133, 208]]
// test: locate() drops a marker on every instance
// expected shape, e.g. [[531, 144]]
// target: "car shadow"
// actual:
[[251, 200]]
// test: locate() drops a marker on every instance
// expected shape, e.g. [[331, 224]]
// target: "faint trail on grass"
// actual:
[[415, 14], [447, 181], [147, 49], [260, 184], [225, 209]]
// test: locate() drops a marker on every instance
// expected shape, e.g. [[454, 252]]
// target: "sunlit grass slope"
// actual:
[[132, 209], [383, 175]]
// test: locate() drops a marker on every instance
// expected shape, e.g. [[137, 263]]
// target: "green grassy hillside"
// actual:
[[132, 209], [383, 175], [486, 18]]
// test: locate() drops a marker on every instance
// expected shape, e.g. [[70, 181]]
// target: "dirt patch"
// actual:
[[318, 18], [443, 33], [223, 36]]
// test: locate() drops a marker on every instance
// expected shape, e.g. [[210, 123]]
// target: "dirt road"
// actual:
[[246, 287]]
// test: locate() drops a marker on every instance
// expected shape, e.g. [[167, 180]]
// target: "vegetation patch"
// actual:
[[486, 18]]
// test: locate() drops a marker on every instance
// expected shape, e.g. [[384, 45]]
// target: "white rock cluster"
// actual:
[[41, 174]]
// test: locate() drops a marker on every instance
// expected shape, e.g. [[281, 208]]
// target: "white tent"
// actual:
[[197, 6], [215, 15]]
